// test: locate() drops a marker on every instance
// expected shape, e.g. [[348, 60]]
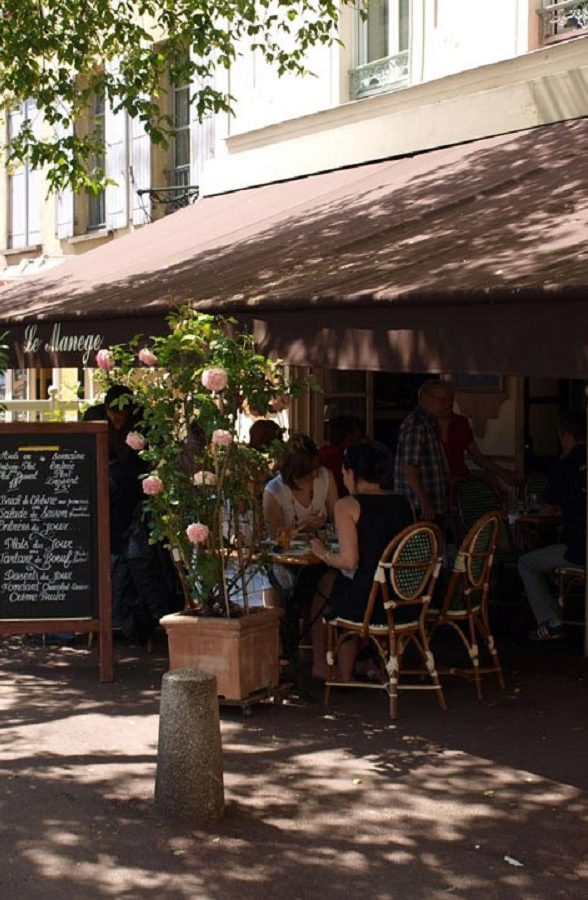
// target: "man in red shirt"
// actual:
[[457, 438]]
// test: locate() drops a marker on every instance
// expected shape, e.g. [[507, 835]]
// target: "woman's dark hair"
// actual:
[[264, 432], [300, 459], [114, 393], [368, 462]]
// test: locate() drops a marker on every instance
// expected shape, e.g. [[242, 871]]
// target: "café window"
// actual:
[[383, 48], [381, 400]]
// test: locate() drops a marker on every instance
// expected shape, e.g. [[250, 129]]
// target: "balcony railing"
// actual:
[[564, 20], [172, 198], [388, 74]]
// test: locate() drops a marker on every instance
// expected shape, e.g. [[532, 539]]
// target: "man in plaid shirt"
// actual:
[[420, 471]]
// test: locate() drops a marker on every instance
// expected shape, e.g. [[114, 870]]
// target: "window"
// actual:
[[179, 175], [564, 19], [96, 202], [24, 226], [382, 48]]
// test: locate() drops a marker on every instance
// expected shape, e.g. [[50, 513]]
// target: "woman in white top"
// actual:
[[302, 497]]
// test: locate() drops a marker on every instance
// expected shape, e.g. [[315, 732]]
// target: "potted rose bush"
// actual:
[[191, 386]]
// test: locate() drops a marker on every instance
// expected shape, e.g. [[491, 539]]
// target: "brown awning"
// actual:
[[472, 257]]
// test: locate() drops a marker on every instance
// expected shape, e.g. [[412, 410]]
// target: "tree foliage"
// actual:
[[61, 52]]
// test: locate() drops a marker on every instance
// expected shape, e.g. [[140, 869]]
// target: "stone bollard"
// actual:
[[189, 780]]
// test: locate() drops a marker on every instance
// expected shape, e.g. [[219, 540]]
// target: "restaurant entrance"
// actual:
[[514, 419]]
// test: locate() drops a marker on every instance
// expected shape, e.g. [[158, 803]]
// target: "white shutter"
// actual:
[[141, 172], [201, 145], [201, 138], [64, 208], [35, 185], [17, 217], [115, 135]]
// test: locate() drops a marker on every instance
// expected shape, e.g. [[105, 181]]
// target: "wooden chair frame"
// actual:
[[567, 578], [392, 639], [471, 576]]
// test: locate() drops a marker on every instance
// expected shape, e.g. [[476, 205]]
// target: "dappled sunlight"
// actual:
[[432, 805]]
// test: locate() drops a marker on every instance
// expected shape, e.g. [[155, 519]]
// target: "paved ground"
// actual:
[[486, 801]]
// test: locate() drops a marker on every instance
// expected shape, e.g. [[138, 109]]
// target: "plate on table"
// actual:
[[299, 545]]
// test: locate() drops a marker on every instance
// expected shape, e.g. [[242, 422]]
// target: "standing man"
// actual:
[[420, 470], [457, 439], [566, 493]]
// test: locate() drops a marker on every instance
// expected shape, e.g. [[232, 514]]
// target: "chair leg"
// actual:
[[330, 661], [475, 656], [484, 630], [431, 669], [393, 673]]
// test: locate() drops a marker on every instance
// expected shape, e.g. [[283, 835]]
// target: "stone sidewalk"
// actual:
[[485, 801]]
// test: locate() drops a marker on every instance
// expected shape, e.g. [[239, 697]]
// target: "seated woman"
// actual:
[[366, 522], [302, 497]]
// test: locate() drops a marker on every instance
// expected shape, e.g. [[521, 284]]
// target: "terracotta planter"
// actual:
[[242, 653]]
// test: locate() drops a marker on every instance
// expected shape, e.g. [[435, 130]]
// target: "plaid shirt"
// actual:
[[419, 445]]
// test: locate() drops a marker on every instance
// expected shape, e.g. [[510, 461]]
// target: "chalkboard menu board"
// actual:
[[54, 532], [48, 549]]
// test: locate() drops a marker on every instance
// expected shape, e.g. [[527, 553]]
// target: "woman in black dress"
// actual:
[[366, 522]]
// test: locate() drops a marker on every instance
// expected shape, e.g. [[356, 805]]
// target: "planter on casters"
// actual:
[[243, 653]]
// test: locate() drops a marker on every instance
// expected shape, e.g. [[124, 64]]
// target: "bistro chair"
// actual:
[[403, 582], [464, 606], [568, 581], [475, 497]]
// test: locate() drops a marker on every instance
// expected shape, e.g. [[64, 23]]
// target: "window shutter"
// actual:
[[116, 199], [202, 145], [34, 177], [65, 201], [201, 138], [17, 220], [141, 172]]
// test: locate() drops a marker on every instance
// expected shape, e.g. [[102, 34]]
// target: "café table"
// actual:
[[534, 529], [296, 558]]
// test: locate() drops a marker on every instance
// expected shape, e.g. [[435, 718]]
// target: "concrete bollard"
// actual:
[[189, 780]]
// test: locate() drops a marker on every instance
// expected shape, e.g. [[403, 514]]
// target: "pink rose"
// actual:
[[104, 360], [215, 379], [203, 477], [197, 533], [147, 357], [152, 485], [222, 437], [135, 441]]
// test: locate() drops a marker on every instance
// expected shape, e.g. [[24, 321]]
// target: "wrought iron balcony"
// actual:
[[388, 74], [173, 198], [564, 20]]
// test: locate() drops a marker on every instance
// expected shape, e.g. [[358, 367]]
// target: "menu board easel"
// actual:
[[54, 531]]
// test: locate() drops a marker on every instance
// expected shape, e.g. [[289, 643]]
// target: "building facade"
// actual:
[[411, 76]]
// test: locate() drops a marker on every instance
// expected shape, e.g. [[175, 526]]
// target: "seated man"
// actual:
[[566, 493]]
